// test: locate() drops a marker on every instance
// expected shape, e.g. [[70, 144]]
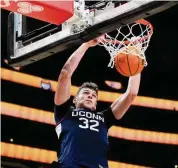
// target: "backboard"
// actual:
[[89, 20]]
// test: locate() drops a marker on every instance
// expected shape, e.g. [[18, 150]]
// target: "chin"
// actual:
[[89, 107]]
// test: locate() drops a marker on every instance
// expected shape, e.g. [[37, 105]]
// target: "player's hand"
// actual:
[[92, 43]]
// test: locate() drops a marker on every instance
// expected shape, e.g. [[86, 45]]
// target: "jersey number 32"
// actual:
[[89, 124]]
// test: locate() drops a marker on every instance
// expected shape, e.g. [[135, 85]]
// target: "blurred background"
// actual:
[[159, 80]]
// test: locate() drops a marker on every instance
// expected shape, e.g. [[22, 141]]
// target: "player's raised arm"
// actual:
[[64, 80], [121, 105]]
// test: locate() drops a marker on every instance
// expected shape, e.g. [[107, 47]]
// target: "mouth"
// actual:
[[89, 101]]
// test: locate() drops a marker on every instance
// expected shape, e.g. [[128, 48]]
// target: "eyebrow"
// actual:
[[89, 90], [85, 90]]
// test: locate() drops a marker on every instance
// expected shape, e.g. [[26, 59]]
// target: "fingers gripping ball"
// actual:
[[128, 62]]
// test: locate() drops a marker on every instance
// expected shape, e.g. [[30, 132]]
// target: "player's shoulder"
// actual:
[[103, 112], [66, 106], [65, 103]]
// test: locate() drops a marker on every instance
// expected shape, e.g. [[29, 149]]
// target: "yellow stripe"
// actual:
[[116, 132], [44, 156], [103, 95]]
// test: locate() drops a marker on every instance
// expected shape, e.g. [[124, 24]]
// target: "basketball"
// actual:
[[128, 62]]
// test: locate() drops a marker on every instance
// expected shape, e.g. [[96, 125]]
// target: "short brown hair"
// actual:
[[90, 85]]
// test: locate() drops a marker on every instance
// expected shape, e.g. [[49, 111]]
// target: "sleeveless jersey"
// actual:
[[82, 136]]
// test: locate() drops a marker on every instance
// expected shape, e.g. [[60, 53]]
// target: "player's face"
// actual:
[[86, 98]]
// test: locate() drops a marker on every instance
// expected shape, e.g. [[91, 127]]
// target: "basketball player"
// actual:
[[82, 131]]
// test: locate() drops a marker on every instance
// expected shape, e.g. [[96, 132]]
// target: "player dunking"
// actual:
[[82, 131]]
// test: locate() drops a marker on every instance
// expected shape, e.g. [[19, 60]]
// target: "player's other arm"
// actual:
[[121, 105], [64, 80]]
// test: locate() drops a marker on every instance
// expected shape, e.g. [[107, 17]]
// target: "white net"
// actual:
[[124, 39]]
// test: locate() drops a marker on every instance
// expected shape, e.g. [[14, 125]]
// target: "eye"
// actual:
[[94, 95], [86, 92]]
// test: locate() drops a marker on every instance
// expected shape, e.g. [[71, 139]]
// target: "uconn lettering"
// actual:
[[87, 115]]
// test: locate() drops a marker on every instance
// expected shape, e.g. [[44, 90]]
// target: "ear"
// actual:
[[96, 106], [74, 99]]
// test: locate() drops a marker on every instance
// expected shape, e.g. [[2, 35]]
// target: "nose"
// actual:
[[90, 96]]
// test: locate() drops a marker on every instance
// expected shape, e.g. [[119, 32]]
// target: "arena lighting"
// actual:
[[23, 112], [44, 156], [115, 131], [103, 95], [113, 84], [27, 153]]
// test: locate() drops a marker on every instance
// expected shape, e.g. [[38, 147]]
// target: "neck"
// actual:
[[80, 108]]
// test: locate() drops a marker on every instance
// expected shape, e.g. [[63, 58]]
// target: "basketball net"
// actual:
[[136, 36]]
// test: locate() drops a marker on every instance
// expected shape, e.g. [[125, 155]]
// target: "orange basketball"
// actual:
[[128, 63]]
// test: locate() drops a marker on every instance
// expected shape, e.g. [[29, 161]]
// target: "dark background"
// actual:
[[159, 80]]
